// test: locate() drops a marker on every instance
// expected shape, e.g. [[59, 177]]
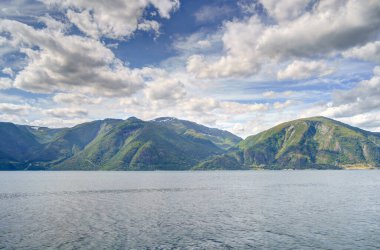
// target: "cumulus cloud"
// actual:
[[368, 52], [113, 19], [332, 26], [299, 70], [148, 25], [14, 109], [285, 10], [363, 98], [75, 98], [8, 71], [329, 28], [239, 41], [84, 21], [54, 25], [5, 83], [21, 8], [282, 105], [165, 89], [80, 69], [196, 42], [369, 120], [57, 62], [205, 110], [54, 122], [66, 112], [208, 105]]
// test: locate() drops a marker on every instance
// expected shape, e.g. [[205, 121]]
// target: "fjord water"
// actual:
[[165, 210]]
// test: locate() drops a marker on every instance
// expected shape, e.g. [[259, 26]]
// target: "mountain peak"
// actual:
[[314, 142], [311, 119], [318, 118], [112, 144], [133, 119]]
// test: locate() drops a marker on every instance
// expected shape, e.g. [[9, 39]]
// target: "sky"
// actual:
[[243, 66]]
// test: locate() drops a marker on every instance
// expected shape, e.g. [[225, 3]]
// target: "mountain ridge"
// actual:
[[168, 143], [111, 144], [315, 142]]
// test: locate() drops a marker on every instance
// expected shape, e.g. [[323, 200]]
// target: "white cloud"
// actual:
[[376, 71], [260, 122], [324, 30], [235, 108], [82, 71], [299, 70], [114, 19], [5, 83], [148, 25], [204, 44], [21, 8], [239, 42], [55, 122], [283, 105], [205, 110], [14, 109], [369, 120], [13, 118], [53, 24], [196, 42], [368, 52], [75, 98], [85, 22], [363, 98], [8, 71], [285, 10], [66, 112], [329, 29], [64, 62], [272, 94], [166, 90]]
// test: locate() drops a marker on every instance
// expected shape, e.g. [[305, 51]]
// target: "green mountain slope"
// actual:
[[70, 141], [173, 144], [315, 142], [111, 144], [16, 146], [138, 145], [221, 138]]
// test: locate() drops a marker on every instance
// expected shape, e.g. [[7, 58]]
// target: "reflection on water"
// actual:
[[166, 210]]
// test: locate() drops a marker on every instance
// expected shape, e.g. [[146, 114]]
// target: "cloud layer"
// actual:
[[327, 29], [113, 19], [242, 66]]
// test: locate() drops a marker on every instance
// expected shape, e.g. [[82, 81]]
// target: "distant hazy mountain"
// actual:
[[112, 144], [316, 142]]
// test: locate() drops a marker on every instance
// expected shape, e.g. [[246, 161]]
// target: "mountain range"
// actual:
[[112, 144], [172, 144]]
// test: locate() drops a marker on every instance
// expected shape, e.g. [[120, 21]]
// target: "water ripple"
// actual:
[[5, 196]]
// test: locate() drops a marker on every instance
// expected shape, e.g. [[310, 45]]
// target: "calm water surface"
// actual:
[[196, 210]]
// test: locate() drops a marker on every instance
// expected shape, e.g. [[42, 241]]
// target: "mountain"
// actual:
[[172, 144], [221, 138], [112, 144], [16, 145], [316, 142]]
